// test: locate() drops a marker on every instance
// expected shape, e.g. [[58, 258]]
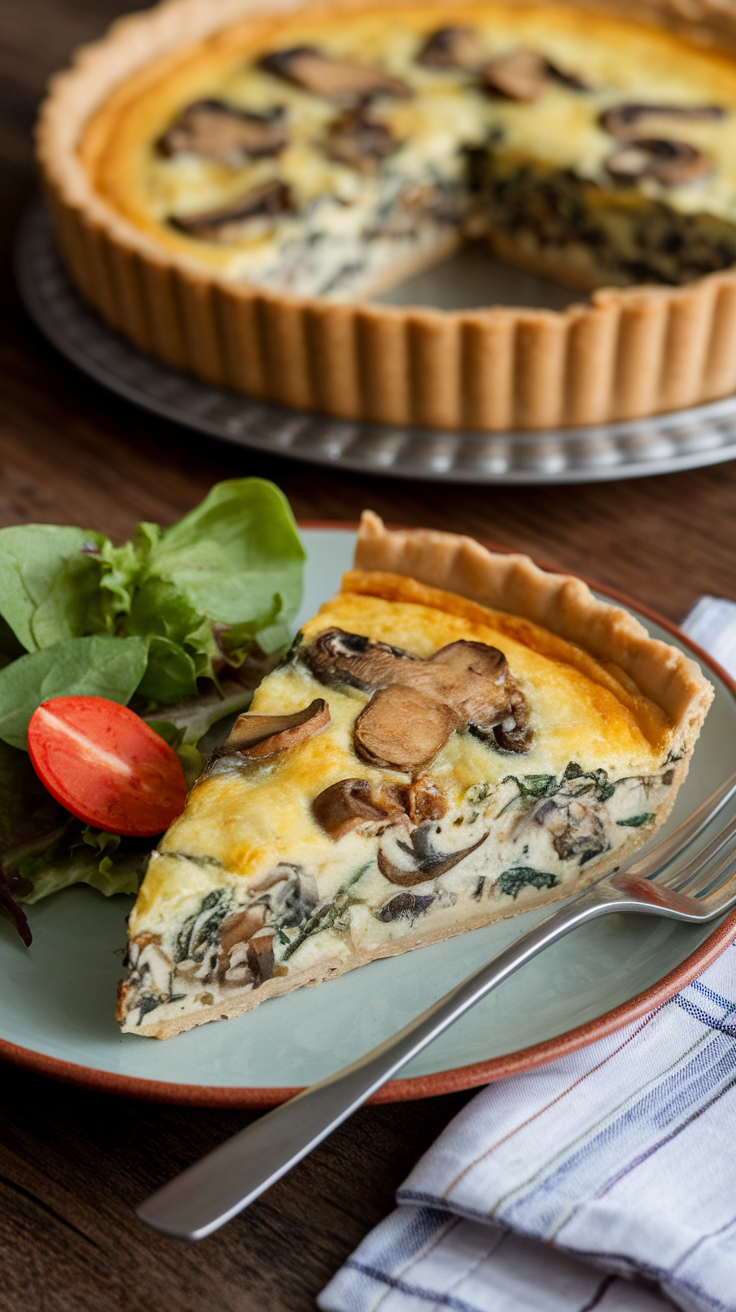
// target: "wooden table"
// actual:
[[74, 1163]]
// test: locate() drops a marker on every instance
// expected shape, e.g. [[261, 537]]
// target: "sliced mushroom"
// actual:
[[452, 47], [354, 802], [243, 218], [236, 933], [672, 163], [402, 728], [577, 829], [426, 800], [406, 906], [472, 678], [227, 135], [260, 957], [627, 122], [340, 80], [338, 657], [284, 870], [419, 860], [358, 140], [256, 737], [518, 76]]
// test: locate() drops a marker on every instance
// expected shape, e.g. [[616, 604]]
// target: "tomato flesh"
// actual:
[[106, 765]]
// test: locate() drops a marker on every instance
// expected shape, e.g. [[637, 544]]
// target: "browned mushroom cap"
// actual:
[[402, 728], [225, 134], [338, 657], [471, 678], [242, 218], [426, 800], [414, 862], [358, 140], [452, 47], [354, 802], [258, 736], [630, 121], [519, 76], [673, 163], [333, 79]]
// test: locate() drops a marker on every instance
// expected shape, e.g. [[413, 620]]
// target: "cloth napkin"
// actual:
[[606, 1179]]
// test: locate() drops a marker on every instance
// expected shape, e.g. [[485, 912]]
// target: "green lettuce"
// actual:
[[189, 600], [91, 667], [107, 862], [152, 624]]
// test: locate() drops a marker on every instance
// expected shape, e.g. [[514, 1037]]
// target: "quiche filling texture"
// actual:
[[418, 766], [332, 158]]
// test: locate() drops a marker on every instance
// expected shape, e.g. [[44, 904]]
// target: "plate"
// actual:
[[58, 998], [703, 435]]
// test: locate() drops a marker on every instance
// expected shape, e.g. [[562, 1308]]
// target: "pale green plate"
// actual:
[[58, 998]]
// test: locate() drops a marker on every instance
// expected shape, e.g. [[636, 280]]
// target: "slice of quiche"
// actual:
[[457, 737]]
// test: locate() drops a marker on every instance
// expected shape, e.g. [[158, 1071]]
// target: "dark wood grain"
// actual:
[[74, 1163]]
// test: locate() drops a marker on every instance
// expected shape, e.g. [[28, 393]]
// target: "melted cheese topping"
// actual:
[[240, 824], [618, 60]]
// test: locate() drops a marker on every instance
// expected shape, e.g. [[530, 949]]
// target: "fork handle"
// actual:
[[216, 1188]]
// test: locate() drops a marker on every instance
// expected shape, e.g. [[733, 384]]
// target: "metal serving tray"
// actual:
[[684, 439]]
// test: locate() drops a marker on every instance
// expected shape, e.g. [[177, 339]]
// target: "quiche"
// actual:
[[456, 737], [232, 183]]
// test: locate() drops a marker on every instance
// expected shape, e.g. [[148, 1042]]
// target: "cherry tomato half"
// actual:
[[106, 766]]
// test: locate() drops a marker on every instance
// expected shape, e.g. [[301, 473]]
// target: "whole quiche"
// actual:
[[232, 183]]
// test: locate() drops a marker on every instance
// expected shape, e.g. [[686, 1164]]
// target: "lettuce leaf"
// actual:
[[188, 600], [49, 583], [95, 858], [139, 623], [227, 572], [94, 667]]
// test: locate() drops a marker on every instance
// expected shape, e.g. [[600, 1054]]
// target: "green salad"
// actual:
[[179, 624]]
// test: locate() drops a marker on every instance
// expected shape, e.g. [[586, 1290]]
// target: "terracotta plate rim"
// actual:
[[424, 1086]]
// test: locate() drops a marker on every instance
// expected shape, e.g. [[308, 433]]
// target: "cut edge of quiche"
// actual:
[[457, 737]]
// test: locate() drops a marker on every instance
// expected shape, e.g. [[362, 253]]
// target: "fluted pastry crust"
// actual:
[[627, 353]]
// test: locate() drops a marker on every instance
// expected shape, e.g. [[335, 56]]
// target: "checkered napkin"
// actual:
[[604, 1180]]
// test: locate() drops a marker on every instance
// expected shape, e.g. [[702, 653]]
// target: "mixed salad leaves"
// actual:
[[179, 624]]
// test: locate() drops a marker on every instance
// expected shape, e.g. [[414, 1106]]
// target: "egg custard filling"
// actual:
[[332, 158], [418, 765]]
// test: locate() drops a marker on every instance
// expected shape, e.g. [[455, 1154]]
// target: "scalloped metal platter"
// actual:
[[684, 439]]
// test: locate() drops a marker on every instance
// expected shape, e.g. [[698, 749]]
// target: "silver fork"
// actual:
[[681, 878]]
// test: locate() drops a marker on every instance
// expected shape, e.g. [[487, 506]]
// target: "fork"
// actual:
[[680, 878]]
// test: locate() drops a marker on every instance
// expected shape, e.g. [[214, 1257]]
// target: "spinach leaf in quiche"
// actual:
[[517, 877]]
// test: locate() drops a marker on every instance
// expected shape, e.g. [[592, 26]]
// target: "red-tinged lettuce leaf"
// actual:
[[30, 821], [9, 904]]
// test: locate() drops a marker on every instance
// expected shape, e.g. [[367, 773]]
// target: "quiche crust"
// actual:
[[595, 684], [627, 353]]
